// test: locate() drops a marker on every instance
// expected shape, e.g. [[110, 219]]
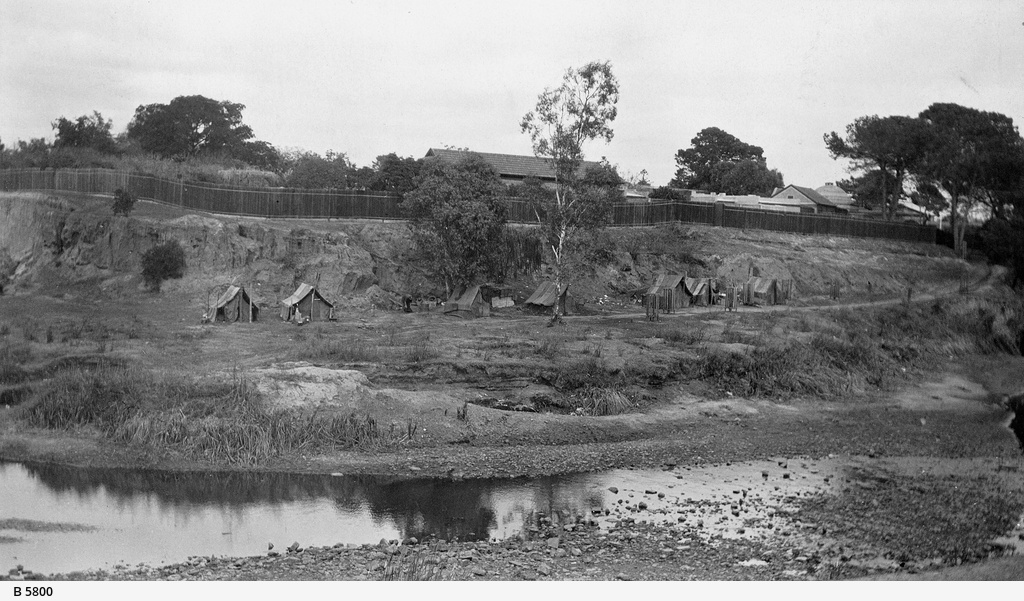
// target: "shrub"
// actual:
[[124, 202], [163, 262]]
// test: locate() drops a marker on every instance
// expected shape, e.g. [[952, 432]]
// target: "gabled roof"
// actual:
[[761, 285], [696, 286], [229, 294], [810, 194], [835, 195], [463, 301], [546, 294], [665, 282], [301, 292], [508, 165]]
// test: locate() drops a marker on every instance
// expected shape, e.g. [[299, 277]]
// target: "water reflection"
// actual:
[[154, 516]]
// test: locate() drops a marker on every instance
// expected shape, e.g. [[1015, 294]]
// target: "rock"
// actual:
[[622, 576], [544, 569], [479, 571], [650, 492], [753, 563], [270, 546], [613, 490], [576, 552], [642, 505], [553, 542]]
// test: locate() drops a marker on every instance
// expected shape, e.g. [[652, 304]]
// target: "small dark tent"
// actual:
[[546, 294], [309, 303], [761, 291], [234, 305], [672, 295], [467, 304], [699, 290]]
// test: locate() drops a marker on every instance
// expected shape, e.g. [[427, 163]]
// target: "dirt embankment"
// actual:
[[50, 242]]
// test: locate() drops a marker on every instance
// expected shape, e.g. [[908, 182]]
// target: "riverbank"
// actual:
[[796, 519]]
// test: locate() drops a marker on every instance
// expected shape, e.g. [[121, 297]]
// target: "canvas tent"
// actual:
[[309, 303], [546, 294], [700, 291], [467, 303], [235, 305], [670, 292], [761, 291]]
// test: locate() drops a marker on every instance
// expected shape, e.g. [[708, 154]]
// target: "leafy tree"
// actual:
[[746, 177], [87, 131], [392, 173], [977, 159], [458, 216], [929, 197], [895, 146], [32, 154], [717, 161], [866, 189], [603, 175], [162, 262], [124, 202], [310, 170], [260, 154], [190, 125], [1003, 241], [580, 110]]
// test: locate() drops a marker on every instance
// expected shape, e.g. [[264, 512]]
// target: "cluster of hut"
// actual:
[[307, 303], [304, 305], [670, 293]]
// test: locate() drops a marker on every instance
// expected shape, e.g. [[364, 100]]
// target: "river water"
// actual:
[[56, 519]]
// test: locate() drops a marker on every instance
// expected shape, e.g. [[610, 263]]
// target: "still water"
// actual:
[[57, 519]]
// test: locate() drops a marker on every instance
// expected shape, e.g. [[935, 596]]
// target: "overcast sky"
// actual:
[[368, 78]]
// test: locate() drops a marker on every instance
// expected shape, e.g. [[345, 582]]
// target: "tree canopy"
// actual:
[[978, 158], [719, 162], [190, 125], [310, 170], [392, 173], [894, 145], [87, 131], [579, 110], [458, 217]]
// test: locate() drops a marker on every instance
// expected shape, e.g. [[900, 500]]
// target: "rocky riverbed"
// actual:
[[791, 519]]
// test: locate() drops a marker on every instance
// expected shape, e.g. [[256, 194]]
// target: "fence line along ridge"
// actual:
[[298, 203]]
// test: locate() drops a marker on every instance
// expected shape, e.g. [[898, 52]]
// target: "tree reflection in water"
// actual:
[[466, 510]]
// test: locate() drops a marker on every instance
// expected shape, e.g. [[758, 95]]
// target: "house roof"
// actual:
[[508, 165], [808, 193], [835, 195]]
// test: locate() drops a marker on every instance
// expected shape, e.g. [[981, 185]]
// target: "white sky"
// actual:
[[368, 78]]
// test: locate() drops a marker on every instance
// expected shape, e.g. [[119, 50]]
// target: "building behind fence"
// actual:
[[354, 204]]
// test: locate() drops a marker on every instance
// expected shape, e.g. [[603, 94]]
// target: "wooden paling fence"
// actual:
[[356, 204]]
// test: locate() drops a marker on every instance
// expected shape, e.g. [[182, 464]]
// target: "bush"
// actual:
[[124, 202], [163, 262]]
